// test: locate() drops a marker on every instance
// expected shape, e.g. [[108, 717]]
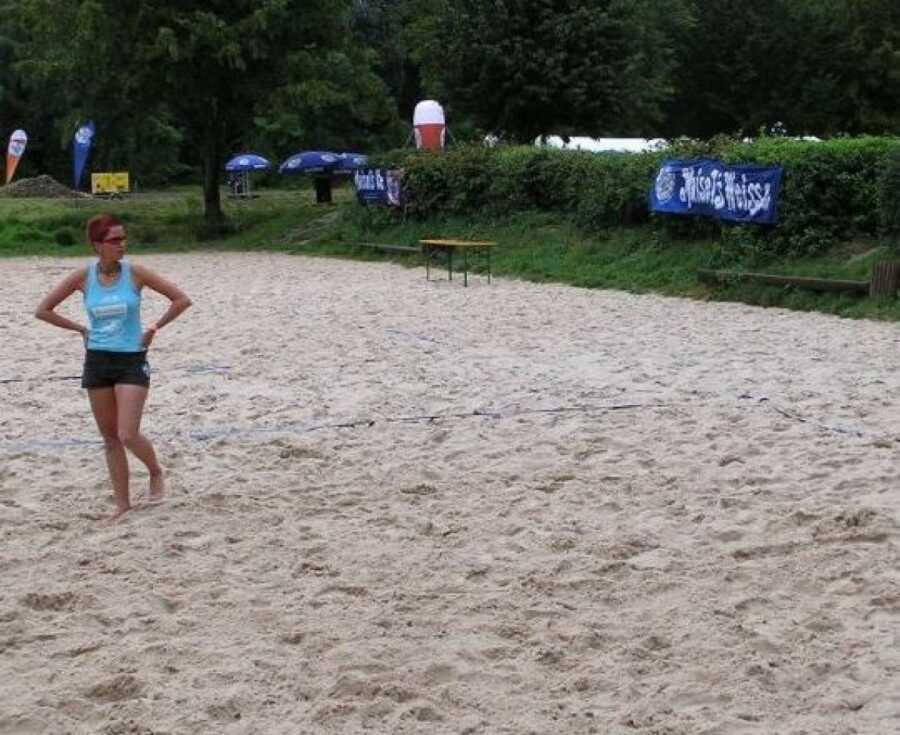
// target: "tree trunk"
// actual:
[[323, 190], [212, 204]]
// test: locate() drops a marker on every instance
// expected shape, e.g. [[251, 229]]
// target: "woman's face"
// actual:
[[112, 247]]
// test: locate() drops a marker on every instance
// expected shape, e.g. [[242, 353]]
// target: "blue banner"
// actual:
[[81, 146], [715, 189], [378, 186]]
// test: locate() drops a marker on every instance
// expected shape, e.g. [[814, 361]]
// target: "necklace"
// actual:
[[109, 273]]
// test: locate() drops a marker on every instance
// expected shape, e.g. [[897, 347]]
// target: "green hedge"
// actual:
[[889, 195], [831, 190]]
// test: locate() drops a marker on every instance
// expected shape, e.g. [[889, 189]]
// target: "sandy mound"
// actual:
[[40, 186]]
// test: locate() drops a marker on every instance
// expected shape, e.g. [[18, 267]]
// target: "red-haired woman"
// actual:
[[116, 372]]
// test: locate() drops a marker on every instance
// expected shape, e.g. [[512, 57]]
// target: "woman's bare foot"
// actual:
[[115, 517], [157, 488]]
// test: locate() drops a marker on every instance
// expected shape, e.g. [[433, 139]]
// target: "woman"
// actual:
[[116, 372]]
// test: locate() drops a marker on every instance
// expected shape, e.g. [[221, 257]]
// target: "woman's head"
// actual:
[[106, 235]]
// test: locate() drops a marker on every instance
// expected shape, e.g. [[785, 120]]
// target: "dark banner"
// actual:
[[715, 189], [378, 187], [81, 147]]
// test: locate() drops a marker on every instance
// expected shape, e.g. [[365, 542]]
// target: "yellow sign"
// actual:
[[110, 183]]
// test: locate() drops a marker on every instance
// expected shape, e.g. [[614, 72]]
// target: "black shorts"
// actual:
[[105, 369]]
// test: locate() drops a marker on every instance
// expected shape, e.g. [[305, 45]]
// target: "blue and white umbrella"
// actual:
[[247, 162], [351, 162], [310, 162]]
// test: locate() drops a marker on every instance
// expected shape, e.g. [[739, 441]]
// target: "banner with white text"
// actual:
[[714, 189], [378, 186]]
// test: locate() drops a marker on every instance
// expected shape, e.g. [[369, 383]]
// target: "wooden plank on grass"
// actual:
[[813, 284], [386, 247]]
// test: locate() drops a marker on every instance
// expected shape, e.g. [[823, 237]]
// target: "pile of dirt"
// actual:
[[43, 186]]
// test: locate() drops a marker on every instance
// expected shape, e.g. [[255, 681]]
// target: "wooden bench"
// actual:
[[885, 280], [389, 248], [449, 246], [813, 284]]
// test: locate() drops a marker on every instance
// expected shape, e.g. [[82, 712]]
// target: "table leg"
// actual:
[[427, 252], [489, 266], [466, 267], [450, 264]]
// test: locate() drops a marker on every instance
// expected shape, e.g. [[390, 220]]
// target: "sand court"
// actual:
[[408, 507]]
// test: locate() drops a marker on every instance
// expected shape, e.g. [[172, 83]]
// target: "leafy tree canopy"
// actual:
[[816, 66], [523, 68], [211, 69]]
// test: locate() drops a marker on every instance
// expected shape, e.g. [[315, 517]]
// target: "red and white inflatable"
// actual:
[[428, 121]]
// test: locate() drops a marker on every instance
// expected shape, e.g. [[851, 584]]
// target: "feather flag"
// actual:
[[17, 142], [81, 146]]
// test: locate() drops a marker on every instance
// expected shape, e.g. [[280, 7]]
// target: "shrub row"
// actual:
[[831, 190]]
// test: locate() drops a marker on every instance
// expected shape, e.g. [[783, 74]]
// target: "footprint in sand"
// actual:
[[116, 689], [226, 711], [55, 601]]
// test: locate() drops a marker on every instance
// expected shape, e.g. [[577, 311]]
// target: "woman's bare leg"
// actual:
[[104, 408], [130, 405]]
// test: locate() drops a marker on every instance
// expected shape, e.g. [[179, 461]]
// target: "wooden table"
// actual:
[[449, 246]]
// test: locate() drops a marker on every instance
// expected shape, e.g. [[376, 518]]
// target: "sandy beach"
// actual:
[[399, 506]]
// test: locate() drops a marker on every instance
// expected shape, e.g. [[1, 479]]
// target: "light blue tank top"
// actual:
[[114, 312]]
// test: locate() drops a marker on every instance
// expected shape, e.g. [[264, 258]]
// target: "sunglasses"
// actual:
[[113, 240]]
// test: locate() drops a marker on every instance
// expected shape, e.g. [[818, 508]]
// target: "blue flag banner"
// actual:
[[378, 186], [81, 146], [715, 189]]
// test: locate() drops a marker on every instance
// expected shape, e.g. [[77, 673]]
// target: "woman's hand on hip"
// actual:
[[149, 334]]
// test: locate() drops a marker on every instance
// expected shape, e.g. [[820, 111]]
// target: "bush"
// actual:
[[65, 238], [831, 190], [597, 190], [613, 188], [148, 236], [30, 233], [456, 181], [889, 194]]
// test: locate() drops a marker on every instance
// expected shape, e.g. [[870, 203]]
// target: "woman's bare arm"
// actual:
[[179, 300], [69, 285]]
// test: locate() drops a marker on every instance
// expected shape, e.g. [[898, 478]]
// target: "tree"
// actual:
[[523, 68], [816, 66], [402, 34], [14, 109], [209, 67], [863, 61], [335, 101], [11, 103], [733, 71]]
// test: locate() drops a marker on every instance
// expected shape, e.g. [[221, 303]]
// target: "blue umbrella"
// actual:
[[240, 167], [351, 162], [247, 162], [310, 162]]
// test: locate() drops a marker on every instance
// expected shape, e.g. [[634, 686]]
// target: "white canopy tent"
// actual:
[[598, 145]]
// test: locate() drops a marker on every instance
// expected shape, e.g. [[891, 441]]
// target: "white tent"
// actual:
[[596, 145]]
